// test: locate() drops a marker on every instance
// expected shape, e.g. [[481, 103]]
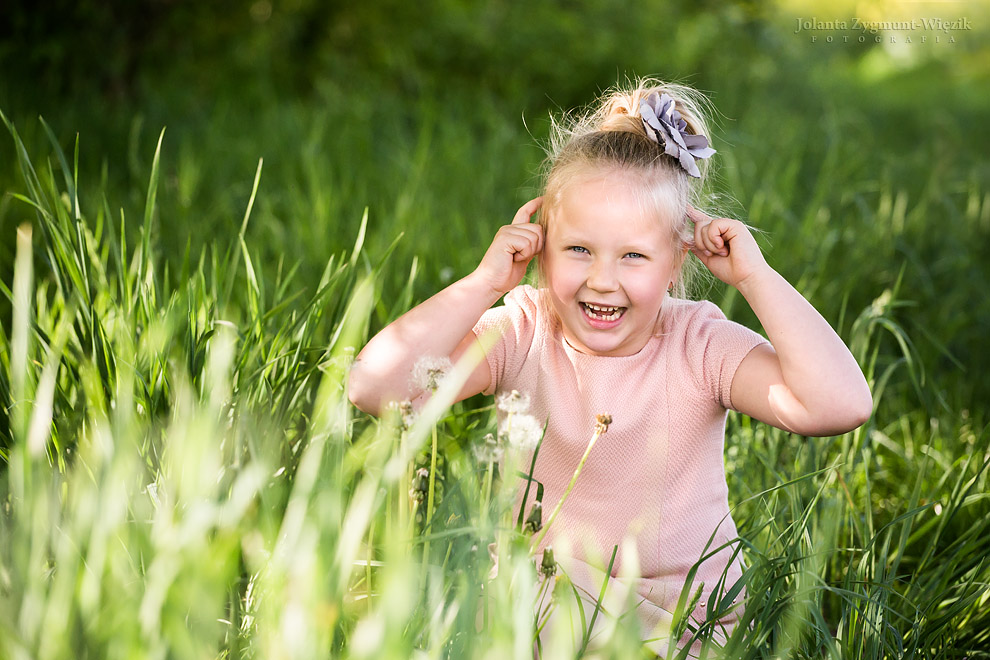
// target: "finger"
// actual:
[[540, 237], [699, 251], [696, 243], [526, 211], [534, 234], [703, 237], [696, 216], [536, 231], [703, 255], [715, 234], [720, 234], [524, 248], [522, 242]]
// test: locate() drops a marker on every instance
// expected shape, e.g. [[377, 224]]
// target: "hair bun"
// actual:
[[624, 122], [619, 110], [619, 113]]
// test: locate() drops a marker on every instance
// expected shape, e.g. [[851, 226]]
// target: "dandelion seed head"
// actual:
[[513, 402], [521, 431], [429, 372], [602, 422], [488, 450], [406, 413]]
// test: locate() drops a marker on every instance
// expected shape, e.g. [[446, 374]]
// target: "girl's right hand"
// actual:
[[514, 246]]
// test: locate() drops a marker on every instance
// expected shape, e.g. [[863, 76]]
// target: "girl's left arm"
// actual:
[[807, 381]]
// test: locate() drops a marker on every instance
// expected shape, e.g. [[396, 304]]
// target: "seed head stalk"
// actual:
[[404, 485], [428, 527], [486, 491], [402, 493], [601, 426], [406, 420], [428, 374]]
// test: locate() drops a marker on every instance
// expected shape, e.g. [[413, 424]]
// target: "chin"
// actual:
[[604, 348]]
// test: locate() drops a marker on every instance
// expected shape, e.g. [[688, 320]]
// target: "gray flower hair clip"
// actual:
[[666, 127]]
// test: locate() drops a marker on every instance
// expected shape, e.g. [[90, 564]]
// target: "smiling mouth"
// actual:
[[602, 312]]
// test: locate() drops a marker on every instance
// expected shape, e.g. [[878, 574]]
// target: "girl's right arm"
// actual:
[[442, 326]]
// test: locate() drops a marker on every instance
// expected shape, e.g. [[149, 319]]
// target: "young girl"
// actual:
[[609, 330]]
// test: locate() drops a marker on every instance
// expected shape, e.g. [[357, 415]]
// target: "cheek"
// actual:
[[560, 275], [648, 287]]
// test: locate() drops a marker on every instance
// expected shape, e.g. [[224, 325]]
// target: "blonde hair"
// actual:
[[611, 137]]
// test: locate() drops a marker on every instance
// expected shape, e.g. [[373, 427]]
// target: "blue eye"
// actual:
[[635, 255], [578, 248]]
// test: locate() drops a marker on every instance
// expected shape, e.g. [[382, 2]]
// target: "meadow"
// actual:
[[189, 265]]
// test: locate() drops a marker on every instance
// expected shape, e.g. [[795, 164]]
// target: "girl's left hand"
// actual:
[[726, 247]]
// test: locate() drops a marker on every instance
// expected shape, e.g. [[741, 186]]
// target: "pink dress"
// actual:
[[657, 476]]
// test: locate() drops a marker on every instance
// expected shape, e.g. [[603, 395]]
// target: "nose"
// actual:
[[602, 276]]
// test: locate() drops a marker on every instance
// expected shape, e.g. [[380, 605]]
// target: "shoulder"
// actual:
[[687, 315], [710, 346], [519, 312], [525, 297], [702, 323], [508, 333], [691, 327], [521, 305]]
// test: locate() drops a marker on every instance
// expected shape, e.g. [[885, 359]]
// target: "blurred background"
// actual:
[[853, 133]]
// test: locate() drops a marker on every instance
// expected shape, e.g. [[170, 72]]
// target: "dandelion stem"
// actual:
[[489, 477], [403, 491], [428, 526], [371, 556], [601, 426], [486, 492], [411, 528]]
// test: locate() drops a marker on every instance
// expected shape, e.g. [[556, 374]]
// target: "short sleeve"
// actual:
[[714, 348], [512, 326]]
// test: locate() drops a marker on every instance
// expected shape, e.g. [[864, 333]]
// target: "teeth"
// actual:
[[601, 312]]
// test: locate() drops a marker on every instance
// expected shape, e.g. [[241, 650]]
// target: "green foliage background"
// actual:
[[862, 162], [433, 114]]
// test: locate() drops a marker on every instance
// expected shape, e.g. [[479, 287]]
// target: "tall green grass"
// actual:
[[183, 476]]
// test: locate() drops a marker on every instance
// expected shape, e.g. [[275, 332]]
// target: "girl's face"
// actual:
[[608, 261]]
